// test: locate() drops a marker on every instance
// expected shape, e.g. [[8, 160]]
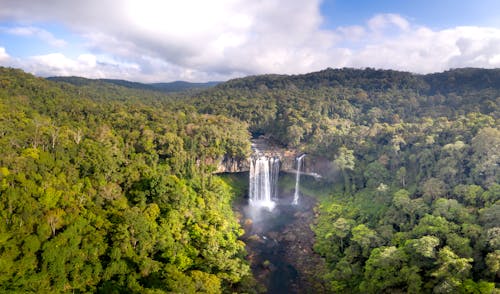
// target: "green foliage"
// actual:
[[416, 171], [386, 271], [101, 191], [123, 178]]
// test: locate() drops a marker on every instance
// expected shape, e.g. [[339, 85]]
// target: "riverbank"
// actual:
[[279, 245]]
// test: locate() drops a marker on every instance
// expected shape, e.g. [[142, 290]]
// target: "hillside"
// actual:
[[110, 188], [290, 107], [172, 87], [102, 190], [415, 187]]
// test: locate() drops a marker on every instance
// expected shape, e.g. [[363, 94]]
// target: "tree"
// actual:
[[401, 175], [486, 156], [386, 270], [493, 263], [408, 210], [375, 174], [365, 238], [424, 246], [433, 188], [55, 219], [468, 194], [345, 161], [452, 271], [341, 229], [451, 210]]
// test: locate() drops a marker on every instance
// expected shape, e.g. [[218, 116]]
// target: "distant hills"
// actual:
[[116, 171], [177, 86], [454, 80]]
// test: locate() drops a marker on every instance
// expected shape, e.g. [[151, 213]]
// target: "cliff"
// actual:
[[312, 165]]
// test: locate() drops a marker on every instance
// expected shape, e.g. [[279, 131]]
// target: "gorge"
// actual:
[[278, 234], [108, 189]]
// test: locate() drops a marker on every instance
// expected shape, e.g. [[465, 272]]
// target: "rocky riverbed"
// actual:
[[280, 247]]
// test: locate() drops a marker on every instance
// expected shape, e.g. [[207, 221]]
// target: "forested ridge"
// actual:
[[415, 204], [171, 87], [105, 188], [100, 192]]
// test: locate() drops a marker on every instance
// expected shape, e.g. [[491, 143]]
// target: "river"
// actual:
[[279, 245]]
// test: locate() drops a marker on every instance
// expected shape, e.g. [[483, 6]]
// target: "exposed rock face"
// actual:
[[233, 165], [312, 165], [318, 166]]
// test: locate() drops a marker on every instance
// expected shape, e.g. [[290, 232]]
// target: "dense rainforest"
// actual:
[[105, 188], [415, 197]]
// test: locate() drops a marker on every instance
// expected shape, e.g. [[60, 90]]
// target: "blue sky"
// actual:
[[196, 40], [436, 14]]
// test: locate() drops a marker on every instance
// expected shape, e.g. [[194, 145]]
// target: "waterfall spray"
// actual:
[[263, 184], [275, 172], [297, 180]]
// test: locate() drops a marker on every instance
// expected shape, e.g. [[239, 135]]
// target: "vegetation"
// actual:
[[113, 195], [105, 188], [414, 205], [178, 86]]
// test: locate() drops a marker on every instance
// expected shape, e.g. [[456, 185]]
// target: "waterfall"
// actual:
[[275, 172], [264, 172], [297, 180]]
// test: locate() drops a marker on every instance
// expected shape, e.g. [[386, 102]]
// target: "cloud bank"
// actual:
[[151, 40], [36, 32], [3, 55]]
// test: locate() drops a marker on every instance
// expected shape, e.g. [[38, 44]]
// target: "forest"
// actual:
[[111, 189], [104, 191]]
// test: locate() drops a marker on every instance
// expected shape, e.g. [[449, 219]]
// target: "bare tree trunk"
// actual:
[[54, 135], [77, 136]]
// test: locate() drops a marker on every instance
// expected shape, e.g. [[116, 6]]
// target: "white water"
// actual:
[[263, 185], [297, 181], [275, 172]]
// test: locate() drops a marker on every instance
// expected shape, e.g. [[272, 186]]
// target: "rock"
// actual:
[[313, 166], [255, 238], [292, 246], [247, 224], [232, 165], [273, 235], [290, 237]]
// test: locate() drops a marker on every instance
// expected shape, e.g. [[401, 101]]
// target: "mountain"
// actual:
[[177, 86], [109, 187], [109, 194], [454, 80]]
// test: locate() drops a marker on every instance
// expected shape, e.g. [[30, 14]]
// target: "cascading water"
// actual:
[[275, 172], [264, 172], [297, 180]]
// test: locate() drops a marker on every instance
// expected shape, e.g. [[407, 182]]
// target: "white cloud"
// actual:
[[92, 66], [224, 38], [153, 40], [55, 61], [88, 65], [3, 55], [351, 33], [383, 21], [36, 32], [422, 50], [88, 60]]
